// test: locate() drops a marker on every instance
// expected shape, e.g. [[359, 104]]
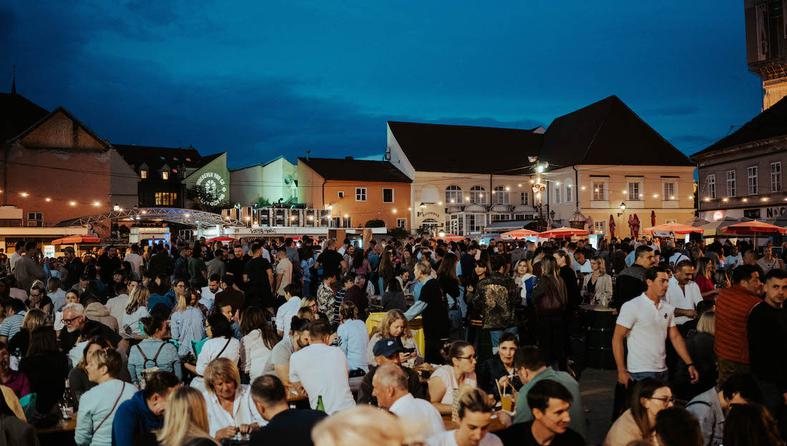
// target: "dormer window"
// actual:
[[165, 175], [143, 174]]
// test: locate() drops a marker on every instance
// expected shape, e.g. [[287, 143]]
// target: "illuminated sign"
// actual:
[[214, 185]]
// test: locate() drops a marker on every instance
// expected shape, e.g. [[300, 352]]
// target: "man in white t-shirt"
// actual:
[[289, 309], [475, 419], [283, 272], [390, 384], [581, 263], [322, 371], [683, 293], [135, 260], [645, 322]]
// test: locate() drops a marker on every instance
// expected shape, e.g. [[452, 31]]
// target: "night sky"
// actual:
[[263, 78]]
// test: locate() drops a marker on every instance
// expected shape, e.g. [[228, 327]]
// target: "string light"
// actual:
[[47, 199], [24, 194], [96, 204], [72, 203]]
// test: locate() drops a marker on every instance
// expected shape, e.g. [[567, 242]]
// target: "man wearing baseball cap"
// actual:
[[387, 351]]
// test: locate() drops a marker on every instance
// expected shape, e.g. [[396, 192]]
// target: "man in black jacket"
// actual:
[[285, 426], [630, 283]]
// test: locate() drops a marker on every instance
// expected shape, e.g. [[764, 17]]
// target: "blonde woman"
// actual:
[[136, 309], [185, 420], [187, 324], [360, 426], [597, 286], [34, 318], [230, 407], [394, 326], [525, 280]]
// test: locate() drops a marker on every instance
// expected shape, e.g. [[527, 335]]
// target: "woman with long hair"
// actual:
[[360, 264], [258, 340], [46, 367], [33, 319], [447, 379], [136, 309], [449, 283], [750, 425], [185, 420], [77, 378], [353, 339], [220, 344], [187, 324], [704, 278], [432, 305], [386, 271], [649, 397], [597, 286], [550, 304], [566, 272], [394, 326]]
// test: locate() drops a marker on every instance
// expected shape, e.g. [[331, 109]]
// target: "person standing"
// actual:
[[630, 282], [767, 332], [330, 260], [283, 274], [683, 293], [135, 260], [550, 302], [258, 277], [495, 298], [27, 269], [432, 303], [644, 323], [216, 265], [733, 307]]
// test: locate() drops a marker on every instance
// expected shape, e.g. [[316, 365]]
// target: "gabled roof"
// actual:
[[348, 169], [17, 114], [156, 157], [104, 144], [770, 123], [607, 132], [465, 149]]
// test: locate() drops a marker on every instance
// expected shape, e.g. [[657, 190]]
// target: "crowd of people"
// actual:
[[268, 342]]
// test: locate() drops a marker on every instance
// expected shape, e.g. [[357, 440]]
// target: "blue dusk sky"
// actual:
[[264, 78]]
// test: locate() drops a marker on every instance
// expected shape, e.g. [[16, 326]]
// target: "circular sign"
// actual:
[[215, 186]]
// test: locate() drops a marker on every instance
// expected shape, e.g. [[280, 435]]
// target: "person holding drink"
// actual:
[[497, 375]]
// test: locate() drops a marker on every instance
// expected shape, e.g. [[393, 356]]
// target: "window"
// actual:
[[388, 195], [557, 194], [500, 195], [453, 194], [599, 191], [599, 226], [475, 222], [360, 194], [143, 174], [401, 223], [710, 186], [569, 193], [35, 219], [670, 191], [776, 176], [341, 194], [635, 190], [524, 198], [477, 195], [165, 175], [166, 198], [731, 192], [751, 180]]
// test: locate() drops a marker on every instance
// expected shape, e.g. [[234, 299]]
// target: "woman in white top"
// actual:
[[98, 406], [257, 342], [394, 326], [230, 406], [220, 345], [353, 339], [597, 286], [447, 379], [136, 309]]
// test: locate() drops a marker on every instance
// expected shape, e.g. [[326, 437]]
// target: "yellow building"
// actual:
[[604, 162]]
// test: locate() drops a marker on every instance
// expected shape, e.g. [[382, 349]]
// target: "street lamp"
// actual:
[[441, 233], [621, 208]]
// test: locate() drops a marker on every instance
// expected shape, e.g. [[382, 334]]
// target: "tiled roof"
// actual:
[[607, 132], [156, 157], [465, 149], [348, 169], [17, 114]]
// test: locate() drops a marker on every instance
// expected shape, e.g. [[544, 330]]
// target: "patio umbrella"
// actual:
[[518, 234], [653, 218], [563, 233], [673, 228], [754, 228], [611, 226], [76, 239], [452, 238], [222, 238], [715, 227], [634, 225]]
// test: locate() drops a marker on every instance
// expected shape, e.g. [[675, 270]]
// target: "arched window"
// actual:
[[477, 195], [500, 195], [453, 194]]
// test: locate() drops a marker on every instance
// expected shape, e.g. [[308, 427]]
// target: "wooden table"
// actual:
[[61, 426], [61, 434]]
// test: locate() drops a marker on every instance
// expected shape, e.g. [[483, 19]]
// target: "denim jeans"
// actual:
[[639, 376]]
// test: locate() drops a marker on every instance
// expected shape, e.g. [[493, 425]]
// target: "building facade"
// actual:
[[741, 175], [464, 178], [355, 191], [604, 163], [766, 46], [264, 184]]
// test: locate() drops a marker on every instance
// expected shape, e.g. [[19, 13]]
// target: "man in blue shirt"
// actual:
[[144, 412]]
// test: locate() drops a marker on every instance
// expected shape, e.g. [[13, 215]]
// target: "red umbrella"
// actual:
[[518, 234], [452, 238], [78, 239], [611, 226], [634, 225], [222, 239], [753, 228], [563, 233], [673, 228], [653, 218]]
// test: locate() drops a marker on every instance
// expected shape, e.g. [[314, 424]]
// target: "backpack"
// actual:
[[145, 369]]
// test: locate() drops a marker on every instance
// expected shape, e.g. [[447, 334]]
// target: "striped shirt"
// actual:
[[11, 325], [733, 307]]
